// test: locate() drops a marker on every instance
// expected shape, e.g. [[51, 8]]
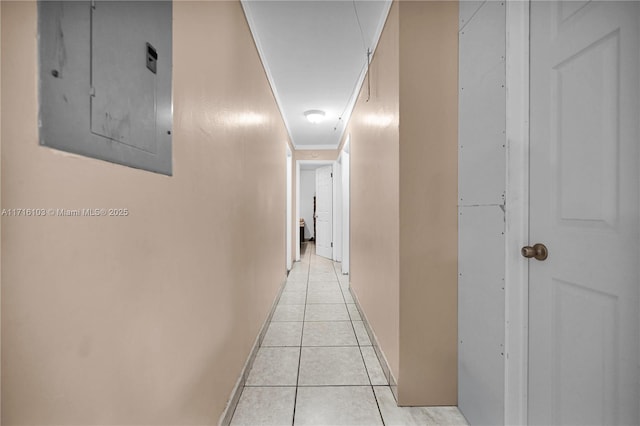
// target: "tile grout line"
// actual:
[[299, 354], [304, 314], [245, 373], [366, 369], [310, 258], [377, 404], [358, 344], [318, 346], [313, 386]]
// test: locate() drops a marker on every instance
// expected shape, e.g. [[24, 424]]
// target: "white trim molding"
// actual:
[[517, 213], [298, 164]]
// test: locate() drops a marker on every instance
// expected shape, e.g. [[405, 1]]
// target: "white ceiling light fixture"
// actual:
[[314, 115]]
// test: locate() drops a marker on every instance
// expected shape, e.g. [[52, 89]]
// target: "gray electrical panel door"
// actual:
[[105, 80]]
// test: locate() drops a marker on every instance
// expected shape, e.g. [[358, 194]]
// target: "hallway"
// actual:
[[316, 364]]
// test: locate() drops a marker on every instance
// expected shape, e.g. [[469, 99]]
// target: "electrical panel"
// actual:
[[105, 80]]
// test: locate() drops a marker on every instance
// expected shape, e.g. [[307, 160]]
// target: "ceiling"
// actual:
[[315, 56]]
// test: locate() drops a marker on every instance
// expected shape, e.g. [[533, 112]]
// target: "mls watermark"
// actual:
[[57, 212]]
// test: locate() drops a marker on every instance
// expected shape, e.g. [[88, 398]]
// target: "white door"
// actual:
[[345, 211], [324, 211], [584, 189], [337, 211]]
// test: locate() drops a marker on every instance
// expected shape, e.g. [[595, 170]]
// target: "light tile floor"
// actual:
[[316, 365]]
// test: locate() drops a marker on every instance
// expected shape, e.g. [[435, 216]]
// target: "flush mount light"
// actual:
[[314, 115]]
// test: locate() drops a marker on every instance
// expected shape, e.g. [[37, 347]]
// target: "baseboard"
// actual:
[[227, 414], [393, 383]]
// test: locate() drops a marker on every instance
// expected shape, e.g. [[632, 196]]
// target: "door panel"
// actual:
[[324, 211], [584, 186], [346, 200], [587, 137]]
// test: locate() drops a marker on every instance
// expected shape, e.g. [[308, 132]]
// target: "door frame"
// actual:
[[332, 213], [319, 163], [517, 213]]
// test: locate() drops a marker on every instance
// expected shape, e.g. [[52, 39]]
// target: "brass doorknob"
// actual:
[[539, 251]]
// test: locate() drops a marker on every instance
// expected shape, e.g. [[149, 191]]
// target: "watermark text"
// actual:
[[59, 212]]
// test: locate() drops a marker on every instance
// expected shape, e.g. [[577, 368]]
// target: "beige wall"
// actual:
[[428, 203], [374, 172], [404, 198], [145, 319]]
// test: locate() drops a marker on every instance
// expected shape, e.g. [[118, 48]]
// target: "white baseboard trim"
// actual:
[[227, 414], [376, 347]]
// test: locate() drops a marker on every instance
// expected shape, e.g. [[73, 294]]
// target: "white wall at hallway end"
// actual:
[[307, 192]]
